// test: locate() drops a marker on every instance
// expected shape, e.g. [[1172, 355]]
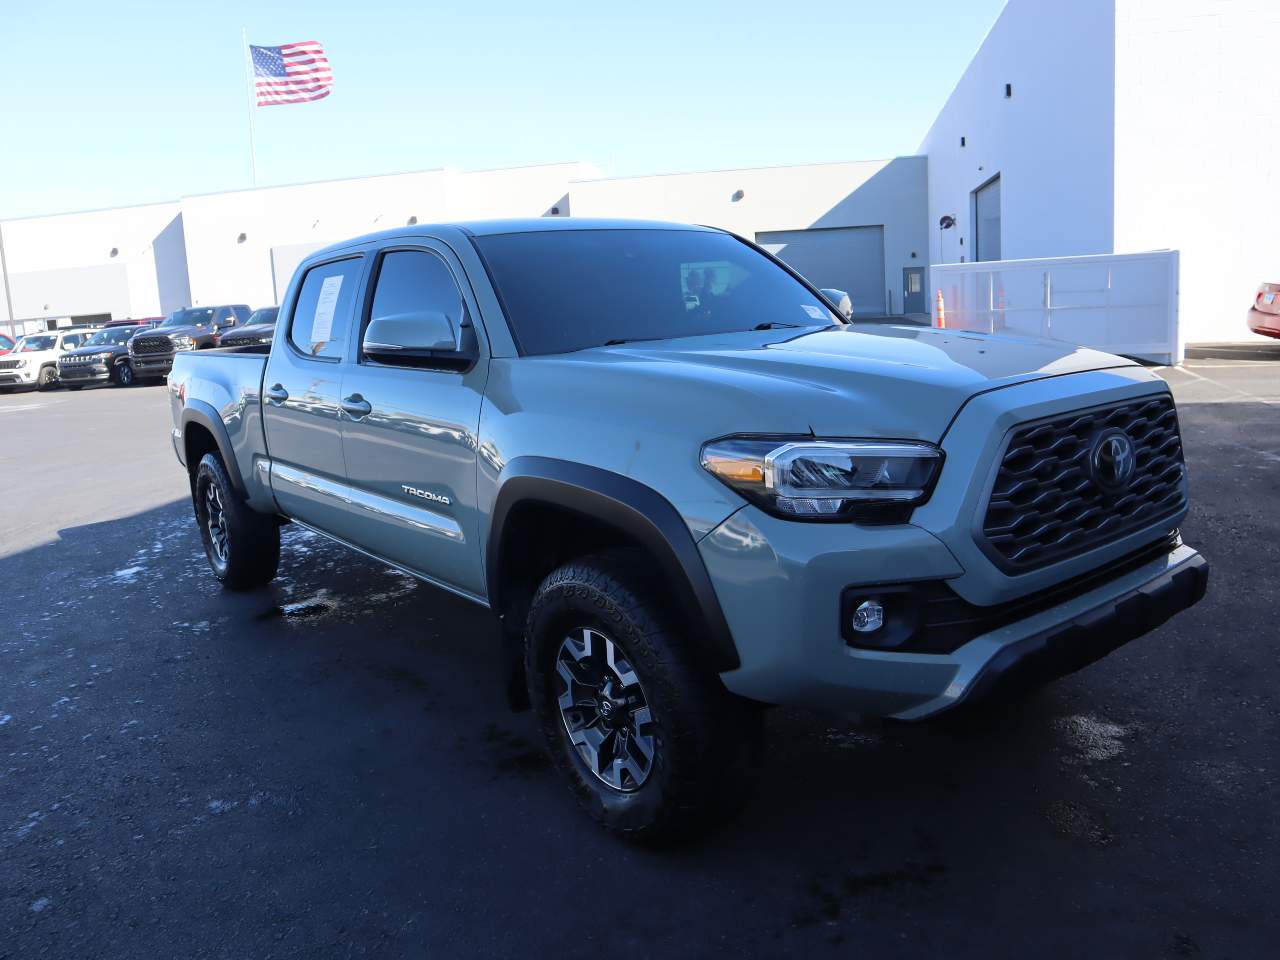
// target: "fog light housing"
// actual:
[[868, 617], [883, 616]]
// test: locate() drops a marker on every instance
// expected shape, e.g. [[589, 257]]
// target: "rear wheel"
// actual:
[[650, 741], [242, 545]]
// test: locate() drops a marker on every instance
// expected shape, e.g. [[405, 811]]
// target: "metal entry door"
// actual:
[[913, 299]]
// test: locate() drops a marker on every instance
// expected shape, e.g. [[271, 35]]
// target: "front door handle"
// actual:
[[356, 406], [276, 394]]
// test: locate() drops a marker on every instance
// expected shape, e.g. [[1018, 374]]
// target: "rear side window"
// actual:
[[322, 313], [412, 281]]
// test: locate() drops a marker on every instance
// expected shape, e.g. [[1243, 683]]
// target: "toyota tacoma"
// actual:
[[688, 487]]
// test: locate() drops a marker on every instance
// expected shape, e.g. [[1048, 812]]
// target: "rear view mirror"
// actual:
[[416, 338], [840, 300]]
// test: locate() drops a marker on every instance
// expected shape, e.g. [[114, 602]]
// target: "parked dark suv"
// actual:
[[104, 356], [191, 328]]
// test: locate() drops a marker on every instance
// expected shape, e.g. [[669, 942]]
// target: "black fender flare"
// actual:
[[638, 511], [197, 411]]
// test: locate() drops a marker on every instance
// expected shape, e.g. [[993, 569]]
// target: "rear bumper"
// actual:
[[1267, 324]]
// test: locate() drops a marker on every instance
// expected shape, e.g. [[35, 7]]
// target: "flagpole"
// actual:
[[248, 69]]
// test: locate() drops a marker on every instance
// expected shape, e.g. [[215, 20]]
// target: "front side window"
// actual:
[[566, 290], [324, 307], [412, 281], [34, 344]]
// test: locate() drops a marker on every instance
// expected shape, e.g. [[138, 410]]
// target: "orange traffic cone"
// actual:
[[942, 313]]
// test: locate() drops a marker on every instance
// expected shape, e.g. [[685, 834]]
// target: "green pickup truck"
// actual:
[[688, 486]]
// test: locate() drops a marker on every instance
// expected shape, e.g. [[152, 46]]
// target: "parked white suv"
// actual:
[[33, 362]]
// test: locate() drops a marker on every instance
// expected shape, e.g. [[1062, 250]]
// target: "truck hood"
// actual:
[[902, 381]]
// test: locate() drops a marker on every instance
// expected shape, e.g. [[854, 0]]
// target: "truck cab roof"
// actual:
[[487, 228]]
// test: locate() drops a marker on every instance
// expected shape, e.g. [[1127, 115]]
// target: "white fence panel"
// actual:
[[1123, 303]]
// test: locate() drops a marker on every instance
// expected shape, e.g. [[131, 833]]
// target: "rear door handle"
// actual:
[[356, 406], [276, 394]]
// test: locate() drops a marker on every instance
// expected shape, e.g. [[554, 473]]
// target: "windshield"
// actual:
[[565, 290], [112, 337], [190, 317], [265, 315], [36, 342]]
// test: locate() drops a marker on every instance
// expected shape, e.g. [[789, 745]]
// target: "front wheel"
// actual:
[[651, 743], [123, 374], [243, 546], [47, 378]]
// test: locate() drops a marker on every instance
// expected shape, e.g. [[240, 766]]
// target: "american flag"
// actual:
[[290, 73]]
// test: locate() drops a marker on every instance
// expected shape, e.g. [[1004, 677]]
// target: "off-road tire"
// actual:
[[707, 741], [250, 541]]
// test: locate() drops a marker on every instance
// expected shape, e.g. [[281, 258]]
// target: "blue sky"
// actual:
[[130, 102]]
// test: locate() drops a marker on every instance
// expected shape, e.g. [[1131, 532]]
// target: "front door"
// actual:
[[301, 394], [409, 432], [913, 299]]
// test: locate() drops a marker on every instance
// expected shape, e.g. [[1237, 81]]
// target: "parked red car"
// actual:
[[1264, 315], [6, 343]]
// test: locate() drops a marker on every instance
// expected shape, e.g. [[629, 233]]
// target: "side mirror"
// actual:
[[416, 338], [840, 300]]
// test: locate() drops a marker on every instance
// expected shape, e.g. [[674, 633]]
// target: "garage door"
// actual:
[[846, 258]]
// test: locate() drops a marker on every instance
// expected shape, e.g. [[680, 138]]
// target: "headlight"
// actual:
[[804, 478], [22, 362], [99, 357], [183, 343]]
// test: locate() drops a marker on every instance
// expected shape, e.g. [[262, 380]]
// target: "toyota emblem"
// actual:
[[1112, 461]]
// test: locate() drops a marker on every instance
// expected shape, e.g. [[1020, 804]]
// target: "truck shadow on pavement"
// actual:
[[330, 764]]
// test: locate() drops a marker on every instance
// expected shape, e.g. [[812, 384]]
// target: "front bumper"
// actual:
[[18, 378], [151, 365], [83, 373], [1078, 642], [779, 585]]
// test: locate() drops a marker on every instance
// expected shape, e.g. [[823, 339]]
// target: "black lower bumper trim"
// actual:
[[1077, 643]]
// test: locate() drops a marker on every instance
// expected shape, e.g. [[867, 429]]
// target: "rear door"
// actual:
[[409, 432], [302, 389]]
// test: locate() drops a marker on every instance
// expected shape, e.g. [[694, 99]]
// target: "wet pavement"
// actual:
[[328, 767]]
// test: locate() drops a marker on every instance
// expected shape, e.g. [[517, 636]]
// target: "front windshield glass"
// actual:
[[190, 317], [36, 342], [265, 315], [111, 337], [565, 290]]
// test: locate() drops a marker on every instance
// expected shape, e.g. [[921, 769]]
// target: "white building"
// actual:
[[1095, 128]]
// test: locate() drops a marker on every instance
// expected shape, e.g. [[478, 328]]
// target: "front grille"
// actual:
[[9, 364], [150, 345], [1045, 505]]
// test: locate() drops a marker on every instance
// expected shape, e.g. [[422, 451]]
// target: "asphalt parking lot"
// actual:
[[329, 768]]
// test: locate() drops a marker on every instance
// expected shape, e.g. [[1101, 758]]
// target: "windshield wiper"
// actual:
[[773, 325], [620, 340]]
